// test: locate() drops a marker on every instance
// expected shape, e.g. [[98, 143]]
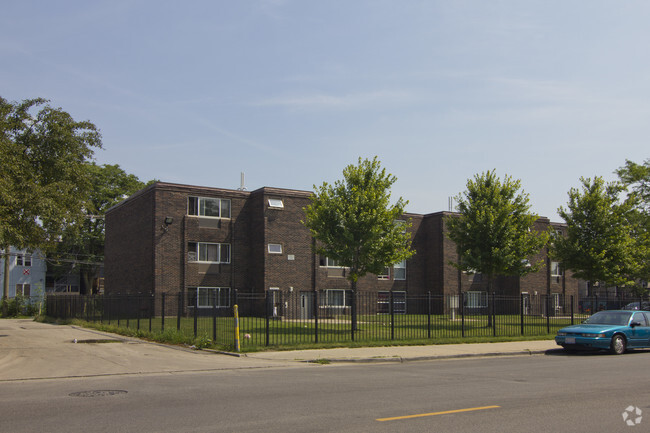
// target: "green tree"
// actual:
[[493, 230], [598, 245], [354, 223], [82, 243], [44, 179], [636, 179]]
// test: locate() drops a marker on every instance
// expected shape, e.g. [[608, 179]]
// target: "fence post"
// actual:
[[548, 314], [392, 316], [162, 312], [152, 309], [139, 310], [521, 309], [268, 300], [316, 306], [462, 314], [214, 317], [353, 313], [494, 315], [429, 314], [196, 313], [179, 310], [572, 309]]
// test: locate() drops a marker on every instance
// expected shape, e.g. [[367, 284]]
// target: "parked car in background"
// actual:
[[638, 306], [613, 330]]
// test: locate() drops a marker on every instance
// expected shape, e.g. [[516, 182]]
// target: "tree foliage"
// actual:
[[494, 228], [43, 178], [599, 245], [354, 223], [636, 179], [82, 243], [44, 181]]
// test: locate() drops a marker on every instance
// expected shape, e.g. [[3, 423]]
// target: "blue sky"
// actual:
[[290, 92]]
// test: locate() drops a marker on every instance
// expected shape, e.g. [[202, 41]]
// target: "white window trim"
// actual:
[[385, 275], [276, 203], [327, 298], [196, 253], [397, 266], [476, 295], [327, 265], [218, 290], [271, 251], [198, 207], [556, 269]]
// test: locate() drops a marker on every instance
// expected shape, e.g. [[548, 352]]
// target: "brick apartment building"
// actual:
[[207, 242]]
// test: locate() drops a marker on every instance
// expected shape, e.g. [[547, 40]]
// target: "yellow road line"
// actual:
[[471, 409]]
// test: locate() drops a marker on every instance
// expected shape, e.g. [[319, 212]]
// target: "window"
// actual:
[[208, 297], [399, 302], [399, 270], [208, 207], [275, 248], [385, 275], [476, 299], [23, 260], [207, 252], [639, 318], [23, 290], [556, 269], [329, 263], [276, 203], [336, 298]]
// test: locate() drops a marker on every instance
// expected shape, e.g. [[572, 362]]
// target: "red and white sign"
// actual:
[[26, 271]]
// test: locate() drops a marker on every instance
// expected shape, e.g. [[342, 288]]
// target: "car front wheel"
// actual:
[[618, 345]]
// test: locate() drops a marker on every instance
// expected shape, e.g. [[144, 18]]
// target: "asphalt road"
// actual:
[[542, 393]]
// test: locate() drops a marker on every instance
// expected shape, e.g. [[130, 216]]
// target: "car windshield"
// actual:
[[609, 318]]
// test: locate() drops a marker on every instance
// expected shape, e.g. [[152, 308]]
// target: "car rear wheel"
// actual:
[[618, 345]]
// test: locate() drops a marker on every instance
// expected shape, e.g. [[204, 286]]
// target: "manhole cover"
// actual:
[[98, 393]]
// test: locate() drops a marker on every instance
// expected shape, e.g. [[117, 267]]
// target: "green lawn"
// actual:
[[371, 330]]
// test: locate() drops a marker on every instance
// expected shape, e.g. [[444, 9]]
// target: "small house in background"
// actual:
[[206, 242], [26, 273]]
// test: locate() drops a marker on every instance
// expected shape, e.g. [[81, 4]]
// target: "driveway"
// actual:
[[32, 350]]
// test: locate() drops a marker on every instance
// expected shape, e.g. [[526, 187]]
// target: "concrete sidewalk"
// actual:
[[31, 350], [410, 353]]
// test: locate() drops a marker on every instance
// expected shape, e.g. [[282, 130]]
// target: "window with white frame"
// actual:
[[336, 298], [399, 270], [275, 248], [23, 260], [329, 263], [276, 203], [556, 269], [385, 275], [23, 290], [208, 252], [208, 297], [399, 302], [476, 299], [208, 207]]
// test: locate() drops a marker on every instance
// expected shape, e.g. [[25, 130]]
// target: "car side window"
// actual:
[[640, 318], [647, 318]]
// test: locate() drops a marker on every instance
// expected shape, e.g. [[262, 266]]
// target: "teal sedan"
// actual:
[[613, 330]]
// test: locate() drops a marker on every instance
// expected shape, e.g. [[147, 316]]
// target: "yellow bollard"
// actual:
[[236, 312]]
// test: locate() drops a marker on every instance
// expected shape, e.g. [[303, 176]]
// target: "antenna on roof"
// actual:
[[242, 186]]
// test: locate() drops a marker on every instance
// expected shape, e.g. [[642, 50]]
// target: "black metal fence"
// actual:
[[290, 318]]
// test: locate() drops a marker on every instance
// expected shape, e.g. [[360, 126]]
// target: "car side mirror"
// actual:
[[633, 324]]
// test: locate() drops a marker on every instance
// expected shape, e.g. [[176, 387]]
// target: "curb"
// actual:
[[424, 358]]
